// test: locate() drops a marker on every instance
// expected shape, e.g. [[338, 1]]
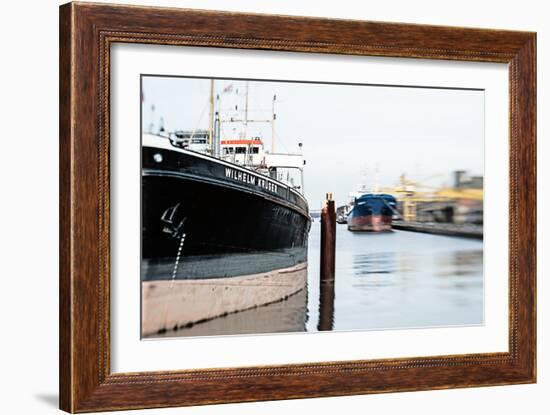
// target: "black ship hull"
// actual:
[[204, 218]]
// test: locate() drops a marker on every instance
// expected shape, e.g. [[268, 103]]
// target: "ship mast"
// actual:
[[246, 110], [152, 123], [211, 118], [274, 116], [376, 177], [216, 141]]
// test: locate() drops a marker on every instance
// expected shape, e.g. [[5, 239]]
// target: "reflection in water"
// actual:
[[389, 280], [326, 307], [281, 317], [458, 263], [372, 270], [374, 263]]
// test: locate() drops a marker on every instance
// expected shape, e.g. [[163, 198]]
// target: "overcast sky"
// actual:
[[349, 132]]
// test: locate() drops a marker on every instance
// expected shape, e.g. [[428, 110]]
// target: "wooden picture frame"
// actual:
[[86, 33]]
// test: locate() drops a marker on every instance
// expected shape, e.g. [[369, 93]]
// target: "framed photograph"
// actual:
[[258, 207]]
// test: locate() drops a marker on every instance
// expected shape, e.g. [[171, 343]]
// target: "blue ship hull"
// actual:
[[372, 212]]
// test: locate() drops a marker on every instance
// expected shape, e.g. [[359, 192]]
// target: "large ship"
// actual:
[[372, 212], [224, 226]]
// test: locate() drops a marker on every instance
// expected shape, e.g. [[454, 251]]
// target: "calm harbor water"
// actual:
[[400, 279], [388, 280]]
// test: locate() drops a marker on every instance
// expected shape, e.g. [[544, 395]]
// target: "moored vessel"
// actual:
[[224, 226], [372, 212]]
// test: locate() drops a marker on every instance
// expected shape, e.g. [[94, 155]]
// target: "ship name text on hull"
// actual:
[[252, 179]]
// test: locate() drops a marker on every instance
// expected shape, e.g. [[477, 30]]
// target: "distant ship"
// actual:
[[341, 219], [224, 226], [372, 212]]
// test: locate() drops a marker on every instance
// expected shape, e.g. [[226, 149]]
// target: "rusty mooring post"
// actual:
[[328, 239], [328, 260]]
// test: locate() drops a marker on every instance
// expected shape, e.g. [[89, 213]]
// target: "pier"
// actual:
[[417, 207], [447, 229]]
